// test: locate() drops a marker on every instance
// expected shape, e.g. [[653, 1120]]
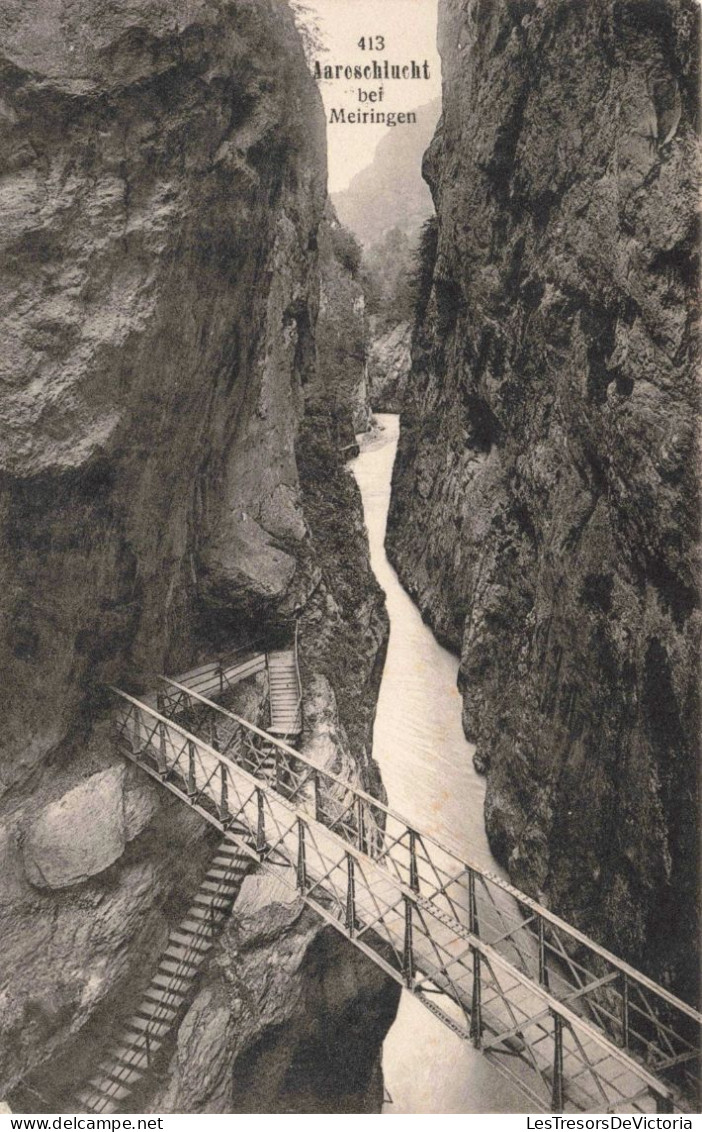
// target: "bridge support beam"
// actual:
[[192, 782], [260, 823], [361, 823], [350, 895], [301, 857], [224, 815], [413, 870], [161, 759], [473, 925], [408, 952], [476, 1010], [543, 967], [557, 1086]]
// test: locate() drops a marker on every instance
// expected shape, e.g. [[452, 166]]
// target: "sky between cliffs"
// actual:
[[409, 28]]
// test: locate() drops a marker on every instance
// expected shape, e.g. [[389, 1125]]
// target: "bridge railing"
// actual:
[[297, 809]]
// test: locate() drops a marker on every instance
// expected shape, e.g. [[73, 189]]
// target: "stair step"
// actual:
[[130, 1046], [132, 1059], [230, 848], [214, 916], [109, 1087], [181, 970], [123, 1074], [171, 985], [215, 887], [188, 939], [213, 900], [180, 953], [202, 929], [141, 1025], [230, 874], [96, 1102], [165, 996], [161, 1012]]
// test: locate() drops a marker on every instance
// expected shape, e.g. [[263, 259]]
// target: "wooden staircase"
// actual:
[[139, 1039], [284, 693]]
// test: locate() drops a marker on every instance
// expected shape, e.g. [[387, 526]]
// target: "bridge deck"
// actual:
[[574, 1026]]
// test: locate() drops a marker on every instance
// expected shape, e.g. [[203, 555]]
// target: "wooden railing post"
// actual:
[[663, 1104], [413, 870], [301, 860], [317, 797], [261, 823], [192, 782], [625, 1010], [220, 673], [350, 895], [408, 950], [476, 1008], [224, 815], [557, 1089], [147, 1045]]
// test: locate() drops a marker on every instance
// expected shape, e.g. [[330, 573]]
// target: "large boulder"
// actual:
[[85, 831]]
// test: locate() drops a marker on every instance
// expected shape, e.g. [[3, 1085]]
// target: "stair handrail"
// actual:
[[154, 1019], [298, 674], [197, 937]]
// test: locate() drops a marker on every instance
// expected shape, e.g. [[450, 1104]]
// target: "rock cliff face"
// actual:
[[341, 349], [545, 497], [162, 172], [389, 365]]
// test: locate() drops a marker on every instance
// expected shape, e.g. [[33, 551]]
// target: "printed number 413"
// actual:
[[372, 43]]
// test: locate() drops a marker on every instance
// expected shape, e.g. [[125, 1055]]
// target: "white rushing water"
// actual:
[[428, 772]]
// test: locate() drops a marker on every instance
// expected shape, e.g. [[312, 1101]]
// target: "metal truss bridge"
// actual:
[[577, 1029]]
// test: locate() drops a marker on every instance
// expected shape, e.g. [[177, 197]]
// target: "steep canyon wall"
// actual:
[[545, 497], [165, 469]]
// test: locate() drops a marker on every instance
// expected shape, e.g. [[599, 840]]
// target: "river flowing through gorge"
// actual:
[[427, 769]]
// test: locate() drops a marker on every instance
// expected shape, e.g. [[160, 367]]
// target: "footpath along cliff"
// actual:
[[545, 497], [170, 485]]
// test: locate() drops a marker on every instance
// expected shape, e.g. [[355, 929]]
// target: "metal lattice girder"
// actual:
[[579, 1019]]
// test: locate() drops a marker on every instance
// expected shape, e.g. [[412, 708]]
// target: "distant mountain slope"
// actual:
[[390, 191]]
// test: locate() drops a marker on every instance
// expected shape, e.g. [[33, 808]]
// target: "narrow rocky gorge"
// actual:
[[171, 486], [545, 497]]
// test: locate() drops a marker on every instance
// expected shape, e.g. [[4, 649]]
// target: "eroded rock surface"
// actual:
[[162, 169], [544, 506], [81, 834], [389, 365]]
